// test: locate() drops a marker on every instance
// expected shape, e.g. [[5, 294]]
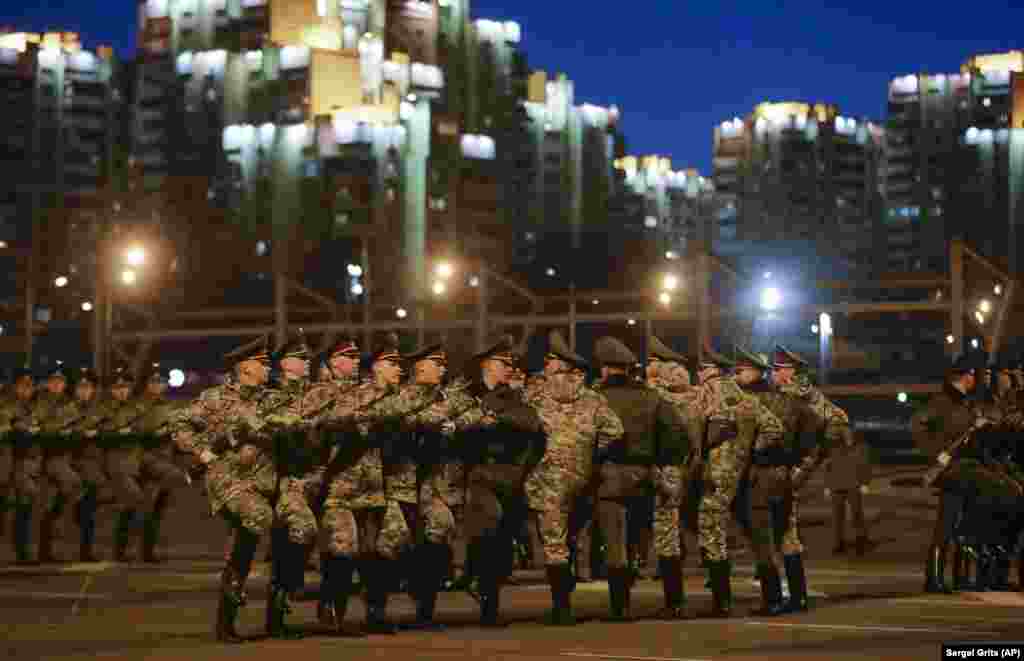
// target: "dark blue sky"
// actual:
[[677, 68]]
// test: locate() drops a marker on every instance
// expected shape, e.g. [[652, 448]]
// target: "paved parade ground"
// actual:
[[870, 608]]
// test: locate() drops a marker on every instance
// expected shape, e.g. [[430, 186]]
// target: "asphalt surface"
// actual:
[[869, 607]]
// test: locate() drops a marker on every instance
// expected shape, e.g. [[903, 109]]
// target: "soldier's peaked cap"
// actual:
[[342, 344], [558, 348], [257, 349], [21, 373], [785, 358], [122, 374], [501, 347], [710, 359], [295, 346], [746, 358], [155, 372], [387, 349], [57, 370], [433, 351], [87, 375], [611, 351], [658, 350]]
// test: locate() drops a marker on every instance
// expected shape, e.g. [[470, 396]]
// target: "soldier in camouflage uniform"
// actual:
[[644, 465], [89, 460], [359, 522], [579, 426], [55, 414], [498, 459], [769, 490], [117, 435], [27, 458], [452, 410], [240, 472], [282, 414], [789, 374], [668, 375], [737, 424], [159, 474], [341, 358]]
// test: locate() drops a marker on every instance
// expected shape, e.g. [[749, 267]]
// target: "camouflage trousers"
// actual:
[[668, 497], [27, 476], [63, 481], [241, 494], [350, 533], [398, 529], [6, 473], [623, 494], [293, 511], [89, 464], [721, 476], [139, 475], [551, 492]]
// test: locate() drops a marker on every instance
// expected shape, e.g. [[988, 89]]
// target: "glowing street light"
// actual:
[[445, 270], [950, 339], [671, 255], [979, 317], [401, 313], [176, 378], [665, 298], [128, 277], [631, 322], [86, 306], [357, 289], [975, 344], [3, 245], [998, 290], [550, 272], [767, 275], [595, 302], [770, 298], [825, 323], [439, 288], [355, 270], [135, 256], [814, 328], [61, 281], [474, 281], [985, 306], [670, 282], [902, 398]]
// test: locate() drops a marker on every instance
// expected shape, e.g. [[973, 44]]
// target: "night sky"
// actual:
[[678, 68]]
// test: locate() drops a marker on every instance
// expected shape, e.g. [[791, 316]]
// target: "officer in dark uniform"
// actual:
[[654, 440], [947, 417], [498, 459]]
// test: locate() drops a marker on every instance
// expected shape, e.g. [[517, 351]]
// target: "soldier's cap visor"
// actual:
[[714, 360], [745, 358], [434, 352], [347, 348], [784, 358], [501, 349]]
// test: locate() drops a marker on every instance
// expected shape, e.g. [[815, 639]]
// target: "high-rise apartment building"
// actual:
[[800, 172], [58, 144], [955, 162]]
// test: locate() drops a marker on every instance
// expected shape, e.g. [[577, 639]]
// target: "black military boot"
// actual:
[[560, 580], [771, 591], [123, 529], [335, 589], [721, 588], [286, 580], [378, 577], [151, 528], [1001, 571], [671, 570], [935, 571], [961, 558], [5, 505], [22, 534], [433, 564], [796, 577], [232, 598], [618, 594], [85, 518]]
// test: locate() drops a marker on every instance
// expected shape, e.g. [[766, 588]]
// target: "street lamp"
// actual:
[[770, 298], [128, 277], [665, 298], [474, 281], [3, 245], [355, 270], [176, 378], [979, 317], [439, 288], [825, 322], [61, 281], [950, 339], [357, 289], [998, 290], [135, 256], [445, 270], [814, 329], [631, 322], [671, 255], [975, 344], [550, 272], [902, 398], [401, 313], [87, 306], [670, 282]]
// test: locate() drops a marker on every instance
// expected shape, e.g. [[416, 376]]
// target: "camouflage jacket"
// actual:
[[214, 421], [579, 424], [281, 423], [117, 428], [803, 425], [54, 414], [158, 419], [18, 422]]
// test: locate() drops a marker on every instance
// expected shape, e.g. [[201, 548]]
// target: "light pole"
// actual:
[[824, 347]]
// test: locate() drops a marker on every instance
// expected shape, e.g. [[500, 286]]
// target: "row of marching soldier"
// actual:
[[396, 480]]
